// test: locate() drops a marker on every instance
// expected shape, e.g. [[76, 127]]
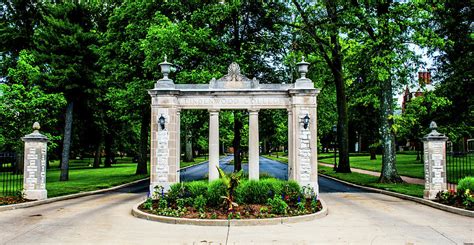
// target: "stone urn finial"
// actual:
[[36, 127], [303, 67], [433, 125], [165, 68]]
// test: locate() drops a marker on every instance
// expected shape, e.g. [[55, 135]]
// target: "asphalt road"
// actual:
[[197, 172], [355, 217]]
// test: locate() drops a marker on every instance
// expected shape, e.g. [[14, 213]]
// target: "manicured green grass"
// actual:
[[89, 179], [197, 160], [371, 181], [406, 164], [282, 159]]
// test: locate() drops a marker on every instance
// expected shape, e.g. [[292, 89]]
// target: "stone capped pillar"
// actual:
[[254, 146], [303, 138], [34, 176], [213, 144], [164, 162], [434, 149]]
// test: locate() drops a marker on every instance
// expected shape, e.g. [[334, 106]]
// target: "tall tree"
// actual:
[[321, 24], [63, 46]]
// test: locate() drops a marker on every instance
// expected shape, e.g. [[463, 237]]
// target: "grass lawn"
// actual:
[[197, 160], [371, 181], [406, 164], [89, 179], [280, 158]]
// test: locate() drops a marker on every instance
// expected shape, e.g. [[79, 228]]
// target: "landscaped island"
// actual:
[[228, 198]]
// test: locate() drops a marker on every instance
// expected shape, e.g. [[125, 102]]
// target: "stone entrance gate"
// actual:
[[233, 91]]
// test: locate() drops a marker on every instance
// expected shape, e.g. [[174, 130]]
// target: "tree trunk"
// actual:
[[188, 153], [373, 156], [96, 163], [66, 143], [236, 142], [142, 159], [389, 171], [342, 123], [336, 69], [109, 155]]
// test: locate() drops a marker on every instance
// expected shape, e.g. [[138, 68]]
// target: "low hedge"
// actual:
[[248, 191]]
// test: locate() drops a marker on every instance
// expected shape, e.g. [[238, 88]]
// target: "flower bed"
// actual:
[[462, 198], [267, 198]]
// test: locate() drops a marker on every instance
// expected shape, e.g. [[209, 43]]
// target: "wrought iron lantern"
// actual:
[[305, 121], [161, 121]]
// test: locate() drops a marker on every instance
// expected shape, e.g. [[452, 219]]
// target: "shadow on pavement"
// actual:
[[331, 186]]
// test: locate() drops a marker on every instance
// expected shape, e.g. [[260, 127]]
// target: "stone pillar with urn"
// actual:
[[34, 176], [434, 149]]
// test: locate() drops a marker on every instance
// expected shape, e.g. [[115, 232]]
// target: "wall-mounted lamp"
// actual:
[[305, 121], [161, 121]]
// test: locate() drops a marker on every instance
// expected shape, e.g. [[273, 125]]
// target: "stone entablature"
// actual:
[[234, 91]]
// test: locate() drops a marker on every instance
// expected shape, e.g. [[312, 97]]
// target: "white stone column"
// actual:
[[178, 144], [34, 177], [254, 146], [213, 144], [291, 165], [434, 147]]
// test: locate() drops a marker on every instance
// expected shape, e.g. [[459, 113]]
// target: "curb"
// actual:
[[432, 204], [71, 196], [234, 222]]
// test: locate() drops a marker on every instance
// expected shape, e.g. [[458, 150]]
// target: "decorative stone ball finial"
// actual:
[[433, 125], [303, 67], [36, 127], [165, 68]]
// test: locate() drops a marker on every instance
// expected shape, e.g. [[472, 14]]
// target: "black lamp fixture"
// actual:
[[334, 128], [161, 121], [305, 121]]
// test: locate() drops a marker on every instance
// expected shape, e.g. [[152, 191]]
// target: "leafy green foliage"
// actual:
[[22, 102], [277, 205], [466, 183], [200, 203], [231, 181]]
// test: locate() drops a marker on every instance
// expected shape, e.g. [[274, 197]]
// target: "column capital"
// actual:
[[253, 111], [214, 110]]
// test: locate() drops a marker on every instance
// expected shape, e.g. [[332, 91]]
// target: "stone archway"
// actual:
[[233, 91]]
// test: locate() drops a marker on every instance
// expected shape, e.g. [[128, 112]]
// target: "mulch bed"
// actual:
[[12, 200], [244, 211]]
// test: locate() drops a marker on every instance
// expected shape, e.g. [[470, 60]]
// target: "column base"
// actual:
[[430, 194], [36, 194], [166, 187], [313, 185]]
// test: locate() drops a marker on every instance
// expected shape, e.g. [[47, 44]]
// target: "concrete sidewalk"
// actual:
[[407, 179]]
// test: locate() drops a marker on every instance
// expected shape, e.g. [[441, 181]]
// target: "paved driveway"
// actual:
[[267, 166], [355, 217]]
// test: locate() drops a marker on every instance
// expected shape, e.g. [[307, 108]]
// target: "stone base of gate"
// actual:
[[233, 222], [36, 194]]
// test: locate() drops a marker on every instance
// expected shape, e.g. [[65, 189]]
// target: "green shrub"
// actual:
[[200, 203], [252, 191], [466, 183], [292, 191], [277, 205], [215, 190], [196, 188], [257, 192]]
